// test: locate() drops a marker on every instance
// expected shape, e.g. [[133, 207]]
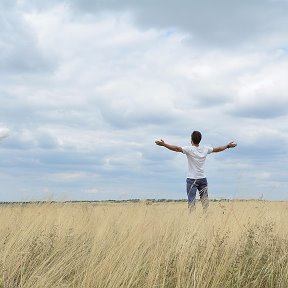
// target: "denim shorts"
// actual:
[[192, 185]]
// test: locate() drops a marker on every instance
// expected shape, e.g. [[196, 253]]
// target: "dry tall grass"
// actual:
[[235, 244]]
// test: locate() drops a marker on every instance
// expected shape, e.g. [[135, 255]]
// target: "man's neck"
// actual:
[[196, 145]]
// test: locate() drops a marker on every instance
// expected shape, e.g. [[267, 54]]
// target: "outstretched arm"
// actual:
[[168, 146], [222, 148]]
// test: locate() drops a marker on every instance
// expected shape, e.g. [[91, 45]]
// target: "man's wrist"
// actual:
[[227, 146]]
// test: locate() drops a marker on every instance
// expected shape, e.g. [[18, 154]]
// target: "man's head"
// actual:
[[196, 137]]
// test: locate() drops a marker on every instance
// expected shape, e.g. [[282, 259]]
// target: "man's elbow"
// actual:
[[179, 149]]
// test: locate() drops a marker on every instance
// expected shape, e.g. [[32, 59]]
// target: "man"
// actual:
[[196, 156]]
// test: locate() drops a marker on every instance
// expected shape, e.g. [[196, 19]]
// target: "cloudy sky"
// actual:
[[86, 87]]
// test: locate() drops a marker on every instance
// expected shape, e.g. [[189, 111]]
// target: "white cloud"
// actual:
[[4, 132]]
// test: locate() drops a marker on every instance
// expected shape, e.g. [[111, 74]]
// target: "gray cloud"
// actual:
[[261, 110], [31, 139], [19, 49], [213, 23]]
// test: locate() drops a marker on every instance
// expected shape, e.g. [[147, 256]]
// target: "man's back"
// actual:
[[196, 156]]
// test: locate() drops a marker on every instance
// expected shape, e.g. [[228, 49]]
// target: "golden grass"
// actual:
[[235, 244]]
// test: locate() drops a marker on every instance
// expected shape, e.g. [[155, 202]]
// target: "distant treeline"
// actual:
[[136, 200]]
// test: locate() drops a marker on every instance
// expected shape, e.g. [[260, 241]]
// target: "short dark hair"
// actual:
[[196, 137]]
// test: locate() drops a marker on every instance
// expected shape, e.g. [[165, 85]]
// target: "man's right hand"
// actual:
[[231, 145]]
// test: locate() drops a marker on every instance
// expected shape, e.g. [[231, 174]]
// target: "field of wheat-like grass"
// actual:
[[234, 244]]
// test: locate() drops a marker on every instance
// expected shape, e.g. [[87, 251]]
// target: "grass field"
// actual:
[[235, 244]]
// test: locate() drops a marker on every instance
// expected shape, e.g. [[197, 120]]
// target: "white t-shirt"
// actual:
[[196, 157]]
